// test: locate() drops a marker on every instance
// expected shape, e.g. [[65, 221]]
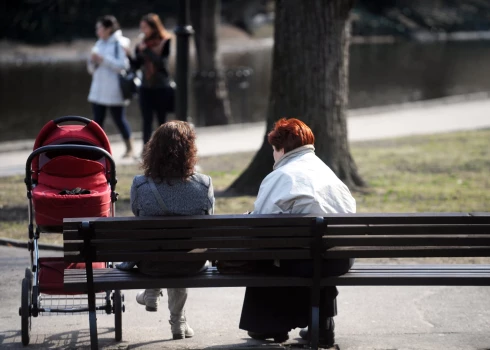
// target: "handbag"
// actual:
[[129, 82]]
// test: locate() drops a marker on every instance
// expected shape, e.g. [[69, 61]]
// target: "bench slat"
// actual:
[[195, 255], [407, 219], [281, 231], [463, 241], [115, 245], [300, 231], [407, 229], [199, 221], [282, 220], [75, 280], [421, 267], [408, 240], [405, 252]]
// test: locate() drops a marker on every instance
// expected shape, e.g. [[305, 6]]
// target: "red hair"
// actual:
[[289, 134]]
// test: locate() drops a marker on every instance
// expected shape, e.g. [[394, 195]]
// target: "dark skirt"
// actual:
[[281, 309]]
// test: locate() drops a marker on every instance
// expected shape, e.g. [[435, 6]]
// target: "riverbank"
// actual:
[[230, 39], [78, 49]]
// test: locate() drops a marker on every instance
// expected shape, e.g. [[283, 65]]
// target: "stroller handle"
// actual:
[[72, 118], [44, 149]]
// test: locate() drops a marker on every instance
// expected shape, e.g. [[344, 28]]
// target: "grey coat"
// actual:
[[192, 197], [195, 196]]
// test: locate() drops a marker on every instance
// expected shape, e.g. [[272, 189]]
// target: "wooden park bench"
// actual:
[[266, 237]]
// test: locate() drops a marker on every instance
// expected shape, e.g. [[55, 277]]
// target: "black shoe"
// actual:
[[278, 337], [326, 340], [304, 334]]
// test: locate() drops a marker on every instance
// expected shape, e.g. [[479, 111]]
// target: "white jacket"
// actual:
[[105, 89], [302, 183]]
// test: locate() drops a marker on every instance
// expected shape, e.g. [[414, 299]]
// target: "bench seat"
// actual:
[[360, 274]]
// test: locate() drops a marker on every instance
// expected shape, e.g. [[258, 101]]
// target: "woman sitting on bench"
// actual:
[[301, 183], [170, 186]]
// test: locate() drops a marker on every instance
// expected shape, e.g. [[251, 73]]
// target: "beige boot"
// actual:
[[129, 148], [181, 329], [150, 298]]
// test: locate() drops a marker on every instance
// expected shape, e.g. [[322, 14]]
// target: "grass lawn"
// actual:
[[439, 173]]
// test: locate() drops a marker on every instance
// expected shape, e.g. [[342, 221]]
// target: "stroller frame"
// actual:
[[31, 305]]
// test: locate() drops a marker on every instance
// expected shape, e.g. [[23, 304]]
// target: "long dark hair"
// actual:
[[171, 152], [155, 23], [109, 21]]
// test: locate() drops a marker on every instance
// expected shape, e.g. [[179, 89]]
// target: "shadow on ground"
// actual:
[[72, 340], [80, 339]]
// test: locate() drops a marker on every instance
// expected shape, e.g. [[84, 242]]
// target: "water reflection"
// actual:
[[31, 94]]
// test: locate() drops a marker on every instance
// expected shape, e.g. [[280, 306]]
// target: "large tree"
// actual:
[[211, 95], [309, 82]]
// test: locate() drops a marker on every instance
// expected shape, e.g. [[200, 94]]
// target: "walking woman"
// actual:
[[107, 59], [151, 56]]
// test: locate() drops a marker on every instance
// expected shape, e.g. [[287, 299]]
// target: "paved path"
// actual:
[[370, 318], [455, 113]]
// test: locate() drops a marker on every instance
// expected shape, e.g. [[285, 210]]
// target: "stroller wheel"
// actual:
[[28, 276], [118, 309], [25, 311]]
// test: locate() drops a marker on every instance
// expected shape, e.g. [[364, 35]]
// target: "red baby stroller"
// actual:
[[70, 173]]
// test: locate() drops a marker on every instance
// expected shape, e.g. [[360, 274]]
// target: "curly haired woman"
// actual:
[[170, 186]]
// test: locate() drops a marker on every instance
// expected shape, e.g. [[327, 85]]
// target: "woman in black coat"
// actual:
[[151, 56]]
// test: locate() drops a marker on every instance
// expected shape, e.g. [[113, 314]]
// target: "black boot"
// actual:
[[278, 337], [327, 334]]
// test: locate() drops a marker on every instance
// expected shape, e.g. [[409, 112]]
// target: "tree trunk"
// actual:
[[309, 82], [211, 96]]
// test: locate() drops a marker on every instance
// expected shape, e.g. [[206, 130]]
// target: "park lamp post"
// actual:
[[183, 31]]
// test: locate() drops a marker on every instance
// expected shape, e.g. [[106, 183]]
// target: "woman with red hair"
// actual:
[[301, 183]]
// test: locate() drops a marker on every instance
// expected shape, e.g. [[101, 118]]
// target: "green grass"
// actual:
[[438, 173]]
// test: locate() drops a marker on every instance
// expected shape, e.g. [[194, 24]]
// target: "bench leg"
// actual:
[[318, 229], [93, 330], [94, 345], [315, 319]]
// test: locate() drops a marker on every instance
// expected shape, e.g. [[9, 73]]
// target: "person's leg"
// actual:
[[146, 108], [118, 114], [271, 312], [161, 105], [328, 296], [99, 114], [176, 296], [119, 117], [176, 303]]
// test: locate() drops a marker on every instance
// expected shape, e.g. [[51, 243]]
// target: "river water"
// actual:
[[380, 74]]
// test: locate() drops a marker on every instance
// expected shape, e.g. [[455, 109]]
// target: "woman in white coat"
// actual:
[[301, 183], [107, 60]]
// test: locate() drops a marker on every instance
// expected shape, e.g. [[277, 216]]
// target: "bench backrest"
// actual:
[[258, 237], [407, 235], [188, 238]]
